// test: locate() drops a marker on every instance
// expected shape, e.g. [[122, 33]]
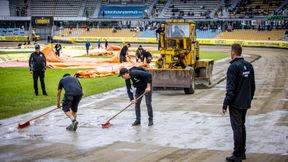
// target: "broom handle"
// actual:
[[42, 114], [131, 103]]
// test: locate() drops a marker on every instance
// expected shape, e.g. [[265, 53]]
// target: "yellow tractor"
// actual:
[[180, 62]]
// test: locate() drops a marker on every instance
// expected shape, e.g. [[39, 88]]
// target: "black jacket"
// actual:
[[240, 86], [124, 51], [37, 62], [58, 47], [159, 31], [139, 78]]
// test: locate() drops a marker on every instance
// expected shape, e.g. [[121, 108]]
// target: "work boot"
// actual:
[[75, 124], [233, 159], [45, 94], [36, 94], [243, 156], [70, 127], [150, 122], [137, 122]]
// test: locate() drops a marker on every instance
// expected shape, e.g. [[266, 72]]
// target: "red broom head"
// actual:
[[106, 125], [24, 125]]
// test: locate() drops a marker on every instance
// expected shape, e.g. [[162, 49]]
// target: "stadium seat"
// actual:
[[274, 35]]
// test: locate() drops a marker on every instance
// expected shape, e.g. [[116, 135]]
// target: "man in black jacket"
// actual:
[[58, 48], [240, 88], [37, 64], [159, 31], [142, 81], [124, 52], [148, 56], [139, 54], [72, 97]]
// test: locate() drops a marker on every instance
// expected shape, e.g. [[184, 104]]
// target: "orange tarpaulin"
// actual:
[[108, 70], [114, 48], [96, 66], [50, 55], [100, 52]]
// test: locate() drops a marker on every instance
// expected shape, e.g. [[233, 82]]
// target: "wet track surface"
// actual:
[[187, 127]]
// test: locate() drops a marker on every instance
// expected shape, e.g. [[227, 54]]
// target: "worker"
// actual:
[[240, 89], [72, 97], [106, 43], [87, 45], [159, 31], [178, 33], [142, 81], [34, 36], [139, 54], [124, 52], [37, 65], [146, 55], [99, 43], [58, 48]]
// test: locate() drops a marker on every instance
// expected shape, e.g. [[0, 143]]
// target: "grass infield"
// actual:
[[17, 94]]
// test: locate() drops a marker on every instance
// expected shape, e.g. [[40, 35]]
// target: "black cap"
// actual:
[[123, 71], [37, 46], [128, 44]]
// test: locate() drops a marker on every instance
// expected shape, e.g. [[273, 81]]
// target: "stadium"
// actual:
[[108, 48]]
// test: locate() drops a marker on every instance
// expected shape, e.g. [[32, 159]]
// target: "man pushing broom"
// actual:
[[72, 97]]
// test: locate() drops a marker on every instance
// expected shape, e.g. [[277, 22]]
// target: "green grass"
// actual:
[[14, 52], [17, 93], [214, 56], [95, 56]]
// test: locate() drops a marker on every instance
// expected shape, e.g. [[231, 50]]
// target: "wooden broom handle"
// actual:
[[131, 103]]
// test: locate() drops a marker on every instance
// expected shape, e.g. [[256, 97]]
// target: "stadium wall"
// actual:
[[225, 42]]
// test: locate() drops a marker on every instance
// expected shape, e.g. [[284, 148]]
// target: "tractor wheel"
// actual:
[[191, 89]]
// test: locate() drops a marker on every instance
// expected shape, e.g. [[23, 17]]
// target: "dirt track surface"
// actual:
[[187, 127]]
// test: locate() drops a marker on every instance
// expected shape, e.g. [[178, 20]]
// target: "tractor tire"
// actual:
[[191, 89], [210, 69]]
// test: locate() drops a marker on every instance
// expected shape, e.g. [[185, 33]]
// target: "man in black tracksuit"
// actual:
[[159, 31], [240, 88], [58, 48], [139, 54], [148, 56], [124, 52], [142, 81], [37, 64], [72, 97]]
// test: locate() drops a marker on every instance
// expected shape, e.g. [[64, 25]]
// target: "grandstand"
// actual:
[[257, 8], [190, 9], [207, 33], [73, 17], [55, 8], [274, 35], [5, 5]]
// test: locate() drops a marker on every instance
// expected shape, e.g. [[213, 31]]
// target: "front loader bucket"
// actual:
[[172, 78]]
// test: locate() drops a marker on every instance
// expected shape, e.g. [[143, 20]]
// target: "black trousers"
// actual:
[[58, 53], [122, 59], [87, 51], [237, 119], [148, 99], [41, 75]]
